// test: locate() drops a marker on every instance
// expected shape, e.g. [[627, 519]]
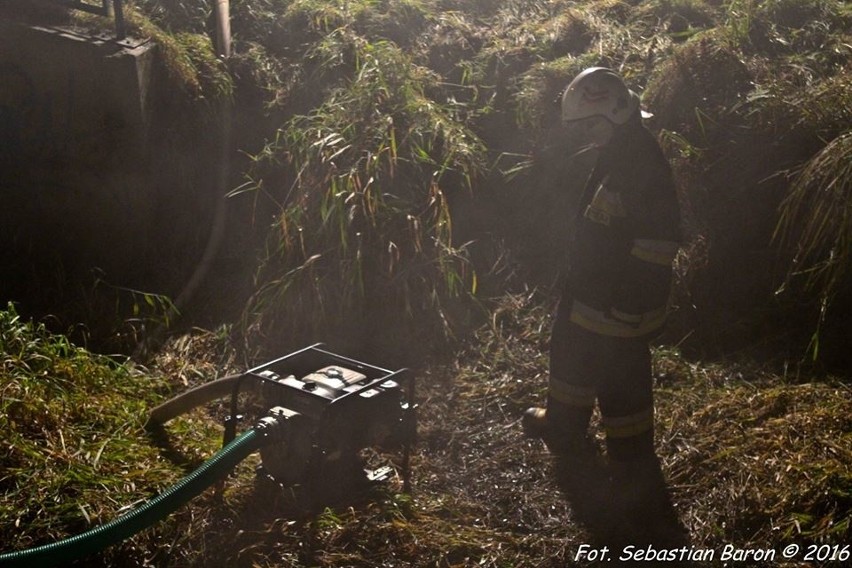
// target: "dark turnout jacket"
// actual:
[[627, 235]]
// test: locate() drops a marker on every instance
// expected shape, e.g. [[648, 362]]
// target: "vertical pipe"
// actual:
[[120, 28], [223, 28]]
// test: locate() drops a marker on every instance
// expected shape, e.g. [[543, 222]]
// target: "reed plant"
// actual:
[[816, 224], [364, 224]]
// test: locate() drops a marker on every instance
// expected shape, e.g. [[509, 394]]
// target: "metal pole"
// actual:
[[223, 28], [120, 28]]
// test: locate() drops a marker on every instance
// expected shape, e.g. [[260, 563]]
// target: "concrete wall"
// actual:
[[75, 115]]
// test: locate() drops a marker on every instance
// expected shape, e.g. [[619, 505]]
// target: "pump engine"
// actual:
[[334, 408]]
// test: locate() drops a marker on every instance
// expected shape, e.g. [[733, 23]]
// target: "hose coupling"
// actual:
[[277, 422]]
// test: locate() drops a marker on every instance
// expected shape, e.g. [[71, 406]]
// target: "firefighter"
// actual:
[[626, 236]]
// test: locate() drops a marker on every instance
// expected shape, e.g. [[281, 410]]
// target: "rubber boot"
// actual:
[[578, 469]]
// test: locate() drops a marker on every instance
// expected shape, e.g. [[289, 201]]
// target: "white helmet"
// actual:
[[599, 91]]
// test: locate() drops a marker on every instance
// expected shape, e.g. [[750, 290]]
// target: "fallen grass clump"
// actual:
[[783, 26], [197, 356], [765, 460], [785, 461], [816, 227], [821, 194]]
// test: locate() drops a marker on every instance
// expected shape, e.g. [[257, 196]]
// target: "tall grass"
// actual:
[[72, 427], [390, 124], [816, 222], [364, 221], [382, 113]]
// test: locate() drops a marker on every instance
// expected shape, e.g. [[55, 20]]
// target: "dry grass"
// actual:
[[763, 458], [752, 459]]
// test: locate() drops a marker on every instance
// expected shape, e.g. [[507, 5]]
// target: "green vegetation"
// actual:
[[407, 153], [72, 427], [366, 219], [752, 458], [75, 453], [402, 180], [398, 121]]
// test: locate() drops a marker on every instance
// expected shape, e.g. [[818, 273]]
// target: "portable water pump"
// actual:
[[321, 411], [332, 408]]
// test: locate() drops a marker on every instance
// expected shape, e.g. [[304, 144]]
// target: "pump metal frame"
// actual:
[[311, 358]]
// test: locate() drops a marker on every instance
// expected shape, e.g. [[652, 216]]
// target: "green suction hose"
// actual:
[[146, 515]]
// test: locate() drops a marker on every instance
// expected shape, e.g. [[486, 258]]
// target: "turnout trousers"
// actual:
[[614, 372]]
